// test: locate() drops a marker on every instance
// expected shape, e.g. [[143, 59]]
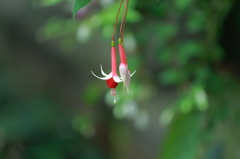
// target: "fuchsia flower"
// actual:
[[123, 67], [112, 78]]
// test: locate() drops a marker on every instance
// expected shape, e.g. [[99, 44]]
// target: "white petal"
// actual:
[[117, 79], [123, 69], [103, 78], [127, 81], [133, 73], [127, 90], [103, 73]]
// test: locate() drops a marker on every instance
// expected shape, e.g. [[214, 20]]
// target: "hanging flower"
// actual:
[[123, 67], [112, 78]]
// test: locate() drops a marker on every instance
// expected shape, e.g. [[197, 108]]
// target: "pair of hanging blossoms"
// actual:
[[112, 78]]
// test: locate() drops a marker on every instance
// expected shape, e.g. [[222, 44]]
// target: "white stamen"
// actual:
[[113, 92]]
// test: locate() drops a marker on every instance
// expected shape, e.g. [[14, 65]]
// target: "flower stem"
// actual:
[[115, 24], [123, 22]]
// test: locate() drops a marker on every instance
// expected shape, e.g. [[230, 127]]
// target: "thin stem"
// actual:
[[125, 17], [122, 21], [114, 31]]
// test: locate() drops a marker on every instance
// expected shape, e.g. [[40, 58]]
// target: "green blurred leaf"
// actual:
[[188, 50], [200, 97], [196, 21], [186, 105], [91, 96], [107, 18], [166, 30], [202, 73], [84, 124], [172, 76], [78, 4], [48, 151], [217, 54], [46, 2], [165, 56], [183, 4], [167, 115], [183, 137]]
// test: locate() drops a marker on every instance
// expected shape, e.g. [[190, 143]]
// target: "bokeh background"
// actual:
[[184, 100]]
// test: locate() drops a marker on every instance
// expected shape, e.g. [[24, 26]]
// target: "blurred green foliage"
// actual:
[[78, 4], [176, 45]]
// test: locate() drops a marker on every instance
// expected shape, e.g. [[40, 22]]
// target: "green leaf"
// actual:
[[45, 3], [183, 4], [166, 30], [172, 76], [78, 4], [188, 50], [183, 137], [165, 56], [196, 21]]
